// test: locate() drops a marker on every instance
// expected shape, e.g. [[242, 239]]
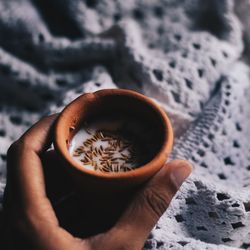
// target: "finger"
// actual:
[[150, 203], [39, 136], [27, 178], [30, 140], [28, 185], [24, 163]]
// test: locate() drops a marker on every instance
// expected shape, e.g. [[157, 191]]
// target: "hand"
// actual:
[[29, 213]]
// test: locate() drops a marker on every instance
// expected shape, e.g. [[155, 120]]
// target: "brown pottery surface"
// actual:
[[108, 102]]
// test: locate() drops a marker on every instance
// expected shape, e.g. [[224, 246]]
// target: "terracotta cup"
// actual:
[[106, 102]]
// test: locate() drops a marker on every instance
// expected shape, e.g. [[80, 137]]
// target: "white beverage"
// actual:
[[102, 146]]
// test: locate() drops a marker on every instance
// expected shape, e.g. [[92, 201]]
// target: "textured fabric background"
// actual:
[[189, 55]]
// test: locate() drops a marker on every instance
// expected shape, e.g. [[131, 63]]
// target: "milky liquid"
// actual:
[[101, 146]]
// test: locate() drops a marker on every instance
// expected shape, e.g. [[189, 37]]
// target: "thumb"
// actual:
[[151, 202]]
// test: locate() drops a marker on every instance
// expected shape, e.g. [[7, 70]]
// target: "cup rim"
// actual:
[[152, 166]]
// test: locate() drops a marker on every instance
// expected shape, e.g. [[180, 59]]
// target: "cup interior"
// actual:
[[149, 121]]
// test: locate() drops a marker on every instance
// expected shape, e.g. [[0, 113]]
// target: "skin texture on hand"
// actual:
[[31, 217]]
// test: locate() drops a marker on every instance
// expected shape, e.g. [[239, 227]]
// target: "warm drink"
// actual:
[[111, 146]]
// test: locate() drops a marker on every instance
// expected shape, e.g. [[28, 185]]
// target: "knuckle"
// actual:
[[17, 146], [14, 147], [156, 200]]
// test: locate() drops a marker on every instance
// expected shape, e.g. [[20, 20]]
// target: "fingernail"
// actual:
[[179, 174]]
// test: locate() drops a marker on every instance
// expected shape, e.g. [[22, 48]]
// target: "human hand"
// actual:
[[29, 212]]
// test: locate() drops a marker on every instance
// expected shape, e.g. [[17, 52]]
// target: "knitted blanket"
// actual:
[[185, 54]]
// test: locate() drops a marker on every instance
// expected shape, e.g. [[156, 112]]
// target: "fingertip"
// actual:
[[39, 136], [48, 118], [173, 174], [170, 166], [177, 163], [179, 171]]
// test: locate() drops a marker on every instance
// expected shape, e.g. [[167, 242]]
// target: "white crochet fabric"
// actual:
[[183, 53]]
